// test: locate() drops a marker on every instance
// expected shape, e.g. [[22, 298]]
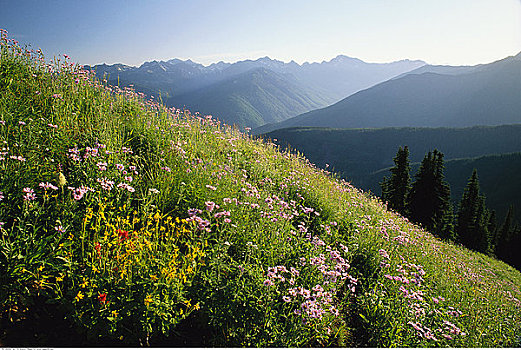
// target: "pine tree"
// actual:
[[473, 217], [504, 236], [515, 247], [396, 188], [429, 198], [444, 215], [420, 204], [482, 236], [492, 231]]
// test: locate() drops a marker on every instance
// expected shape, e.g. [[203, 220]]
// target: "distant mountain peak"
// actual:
[[268, 60], [344, 59], [175, 61]]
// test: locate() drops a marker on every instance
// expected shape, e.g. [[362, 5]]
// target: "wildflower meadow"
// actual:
[[124, 222]]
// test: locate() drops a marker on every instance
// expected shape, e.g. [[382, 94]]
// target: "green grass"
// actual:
[[292, 256]]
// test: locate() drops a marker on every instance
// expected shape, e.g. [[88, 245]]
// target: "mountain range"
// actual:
[[430, 96], [253, 92]]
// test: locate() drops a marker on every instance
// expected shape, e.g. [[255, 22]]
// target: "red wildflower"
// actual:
[[123, 235], [102, 298], [97, 246]]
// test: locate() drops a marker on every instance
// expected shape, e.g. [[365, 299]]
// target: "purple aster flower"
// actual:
[[209, 206], [105, 183], [127, 187], [268, 283], [47, 185], [59, 229], [28, 194]]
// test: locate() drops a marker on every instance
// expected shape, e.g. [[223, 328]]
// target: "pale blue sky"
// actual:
[[455, 32]]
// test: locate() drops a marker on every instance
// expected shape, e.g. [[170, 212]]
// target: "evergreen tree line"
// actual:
[[426, 201]]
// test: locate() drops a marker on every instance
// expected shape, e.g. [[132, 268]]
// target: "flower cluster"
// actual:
[[317, 301], [202, 224], [28, 194], [78, 193]]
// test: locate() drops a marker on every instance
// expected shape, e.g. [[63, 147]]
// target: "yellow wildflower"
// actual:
[[79, 296], [89, 214], [148, 300], [85, 283]]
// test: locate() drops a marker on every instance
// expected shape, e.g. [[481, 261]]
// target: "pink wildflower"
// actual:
[[28, 194], [47, 185], [268, 283], [383, 253], [416, 326], [209, 206], [126, 187], [105, 183], [102, 166], [59, 229]]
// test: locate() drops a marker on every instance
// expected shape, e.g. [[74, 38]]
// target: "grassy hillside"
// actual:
[[123, 222]]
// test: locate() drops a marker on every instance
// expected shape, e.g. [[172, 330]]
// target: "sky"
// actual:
[[453, 32]]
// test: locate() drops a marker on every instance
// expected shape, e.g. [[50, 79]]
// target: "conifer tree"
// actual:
[[515, 247], [482, 235], [492, 231], [396, 188], [429, 198], [504, 236], [473, 217], [444, 215]]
